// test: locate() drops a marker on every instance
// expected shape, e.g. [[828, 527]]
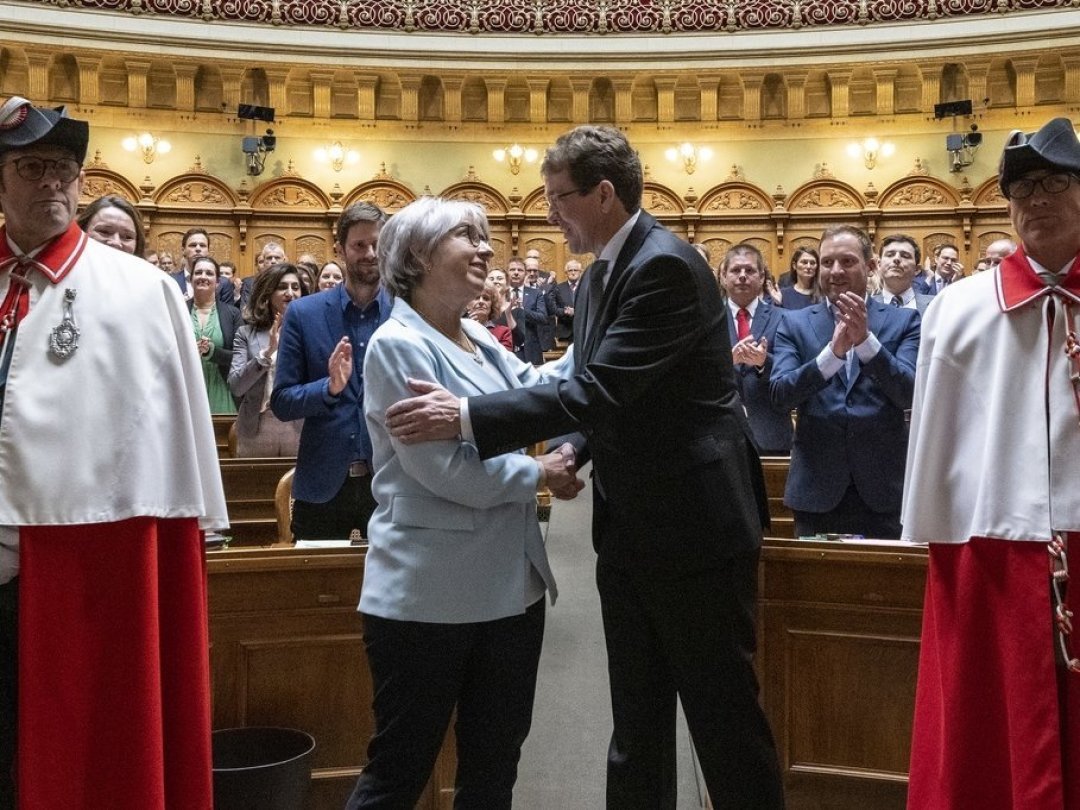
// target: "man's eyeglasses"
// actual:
[[553, 200], [1052, 184], [33, 168]]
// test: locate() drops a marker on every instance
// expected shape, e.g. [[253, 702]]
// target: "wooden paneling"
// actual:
[[250, 484], [287, 650], [838, 661]]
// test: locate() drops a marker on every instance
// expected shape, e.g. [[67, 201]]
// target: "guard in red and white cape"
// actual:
[[108, 478], [993, 485]]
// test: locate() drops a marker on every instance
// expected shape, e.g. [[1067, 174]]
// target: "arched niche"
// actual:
[[161, 85], [773, 97], [431, 102], [495, 205], [209, 89], [661, 201], [290, 195], [387, 194], [535, 204], [474, 103], [602, 101], [113, 81], [195, 190], [1001, 83], [101, 180], [718, 247], [988, 194], [643, 98], [735, 197], [255, 88], [907, 89], [983, 238], [919, 193], [825, 195], [818, 94], [1049, 79], [560, 99], [64, 78], [954, 82]]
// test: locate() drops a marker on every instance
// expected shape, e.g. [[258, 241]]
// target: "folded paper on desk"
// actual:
[[323, 543]]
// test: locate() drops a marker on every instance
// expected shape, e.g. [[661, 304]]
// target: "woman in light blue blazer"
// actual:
[[456, 571]]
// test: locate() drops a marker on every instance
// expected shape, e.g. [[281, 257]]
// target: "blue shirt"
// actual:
[[360, 325]]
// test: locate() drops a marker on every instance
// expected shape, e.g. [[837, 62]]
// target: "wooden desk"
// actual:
[[250, 484], [839, 647], [287, 650]]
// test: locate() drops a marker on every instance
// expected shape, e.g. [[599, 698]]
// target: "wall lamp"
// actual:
[[689, 154], [150, 146], [336, 155], [870, 149], [514, 156]]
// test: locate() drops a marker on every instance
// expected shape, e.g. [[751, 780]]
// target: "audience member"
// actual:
[[320, 379], [899, 263], [678, 496], [484, 309], [271, 254], [215, 325], [227, 271], [151, 256], [848, 366], [752, 331], [992, 488], [542, 282], [255, 364], [802, 287], [113, 221], [110, 476], [563, 296], [330, 276], [982, 265], [946, 270], [529, 310], [453, 595], [167, 264], [998, 250]]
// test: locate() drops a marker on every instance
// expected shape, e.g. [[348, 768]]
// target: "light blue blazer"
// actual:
[[453, 537]]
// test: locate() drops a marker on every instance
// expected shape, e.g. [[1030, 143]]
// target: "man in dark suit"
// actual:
[[562, 301], [529, 310], [900, 257], [677, 486], [947, 269], [752, 331], [319, 378], [271, 253], [848, 366], [543, 282]]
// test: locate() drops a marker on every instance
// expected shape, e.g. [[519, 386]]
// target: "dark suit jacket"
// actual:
[[926, 286], [560, 298], [846, 431], [529, 319], [771, 426], [312, 327], [922, 301], [677, 483]]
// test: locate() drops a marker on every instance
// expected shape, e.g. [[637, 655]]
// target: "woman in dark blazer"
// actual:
[[803, 288], [215, 325]]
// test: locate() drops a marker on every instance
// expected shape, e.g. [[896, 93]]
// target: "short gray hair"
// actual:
[[409, 238]]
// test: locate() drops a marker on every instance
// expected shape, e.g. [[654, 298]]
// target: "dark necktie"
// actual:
[[596, 273], [515, 296], [896, 302], [742, 323]]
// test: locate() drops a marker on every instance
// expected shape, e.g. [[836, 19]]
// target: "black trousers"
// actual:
[[421, 673], [9, 663], [349, 509], [692, 639], [850, 516]]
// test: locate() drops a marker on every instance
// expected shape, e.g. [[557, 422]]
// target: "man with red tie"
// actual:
[[991, 486], [752, 330], [110, 476]]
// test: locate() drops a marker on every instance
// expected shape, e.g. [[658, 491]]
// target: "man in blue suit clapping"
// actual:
[[848, 365]]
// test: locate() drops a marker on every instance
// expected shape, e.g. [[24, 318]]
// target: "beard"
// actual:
[[363, 273]]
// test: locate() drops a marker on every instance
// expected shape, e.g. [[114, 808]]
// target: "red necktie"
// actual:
[[742, 323]]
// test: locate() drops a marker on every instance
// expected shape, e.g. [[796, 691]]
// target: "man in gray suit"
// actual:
[[899, 264]]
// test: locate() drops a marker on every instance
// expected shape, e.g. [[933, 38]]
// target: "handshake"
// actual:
[[559, 472]]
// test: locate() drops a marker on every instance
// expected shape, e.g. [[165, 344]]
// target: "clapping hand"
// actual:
[[340, 366], [751, 352], [851, 327]]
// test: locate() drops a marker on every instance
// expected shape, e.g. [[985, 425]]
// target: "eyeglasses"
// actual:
[[554, 199], [33, 168], [1052, 184], [472, 233]]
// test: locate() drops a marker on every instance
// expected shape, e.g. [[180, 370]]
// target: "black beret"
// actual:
[[22, 124], [1053, 147]]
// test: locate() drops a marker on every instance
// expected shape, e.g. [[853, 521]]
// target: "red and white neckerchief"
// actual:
[[54, 261], [1017, 285]]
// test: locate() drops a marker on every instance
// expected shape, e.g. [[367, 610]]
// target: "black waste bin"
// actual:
[[261, 768]]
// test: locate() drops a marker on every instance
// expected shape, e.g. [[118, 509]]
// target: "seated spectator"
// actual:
[[215, 326], [330, 276], [485, 309], [258, 431], [801, 289], [113, 221]]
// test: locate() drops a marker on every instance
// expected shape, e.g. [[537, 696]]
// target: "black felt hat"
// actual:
[[1054, 147], [22, 124]]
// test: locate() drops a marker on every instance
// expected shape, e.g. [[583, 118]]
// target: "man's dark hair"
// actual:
[[515, 260], [358, 212], [945, 246], [591, 154], [864, 240], [744, 249], [190, 232], [902, 237]]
